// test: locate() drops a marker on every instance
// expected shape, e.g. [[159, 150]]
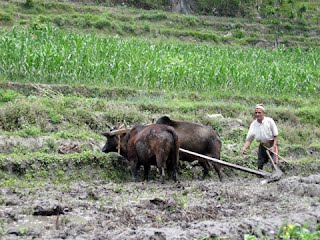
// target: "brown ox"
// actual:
[[197, 138], [154, 144]]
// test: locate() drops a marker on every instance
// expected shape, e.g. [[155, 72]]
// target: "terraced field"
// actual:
[[70, 71]]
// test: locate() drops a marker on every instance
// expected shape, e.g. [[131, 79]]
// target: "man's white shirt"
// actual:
[[264, 131]]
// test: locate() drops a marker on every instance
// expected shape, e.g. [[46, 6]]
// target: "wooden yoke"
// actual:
[[118, 133], [118, 147], [120, 130]]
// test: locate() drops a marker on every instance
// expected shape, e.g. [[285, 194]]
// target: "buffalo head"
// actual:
[[113, 138]]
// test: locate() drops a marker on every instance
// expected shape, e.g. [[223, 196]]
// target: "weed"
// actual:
[[103, 23], [7, 95], [239, 34], [29, 3], [29, 131], [118, 188], [181, 200], [21, 149], [50, 146], [158, 16], [249, 237], [297, 231], [55, 117], [6, 17]]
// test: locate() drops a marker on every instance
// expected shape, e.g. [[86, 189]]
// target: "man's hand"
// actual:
[[244, 150], [274, 148], [245, 147]]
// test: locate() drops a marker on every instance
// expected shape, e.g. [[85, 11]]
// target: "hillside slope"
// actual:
[[157, 24], [60, 89]]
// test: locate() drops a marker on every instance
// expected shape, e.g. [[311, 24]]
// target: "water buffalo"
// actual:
[[154, 144], [197, 138]]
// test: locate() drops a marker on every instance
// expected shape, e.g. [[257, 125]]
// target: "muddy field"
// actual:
[[190, 209]]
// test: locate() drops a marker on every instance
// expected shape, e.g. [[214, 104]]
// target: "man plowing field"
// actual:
[[265, 131]]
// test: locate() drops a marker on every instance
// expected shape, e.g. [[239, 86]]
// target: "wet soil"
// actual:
[[189, 209]]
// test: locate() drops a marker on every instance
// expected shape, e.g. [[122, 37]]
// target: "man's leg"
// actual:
[[262, 157]]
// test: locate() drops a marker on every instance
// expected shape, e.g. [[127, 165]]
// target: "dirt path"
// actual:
[[186, 210]]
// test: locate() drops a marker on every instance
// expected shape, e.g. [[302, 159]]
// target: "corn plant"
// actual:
[[45, 54]]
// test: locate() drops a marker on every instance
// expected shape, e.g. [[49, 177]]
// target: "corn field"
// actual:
[[49, 55]]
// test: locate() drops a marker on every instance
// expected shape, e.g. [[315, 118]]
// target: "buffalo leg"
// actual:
[[162, 177], [174, 174], [161, 166], [205, 166], [134, 171], [172, 171], [146, 172], [218, 169]]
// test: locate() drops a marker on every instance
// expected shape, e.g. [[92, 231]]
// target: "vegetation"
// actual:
[[256, 26], [100, 67], [295, 231], [48, 55]]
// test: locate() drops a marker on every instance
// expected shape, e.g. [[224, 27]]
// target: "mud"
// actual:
[[190, 209]]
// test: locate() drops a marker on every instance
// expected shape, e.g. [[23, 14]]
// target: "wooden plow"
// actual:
[[270, 177]]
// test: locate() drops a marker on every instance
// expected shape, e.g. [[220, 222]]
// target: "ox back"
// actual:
[[197, 138], [155, 144]]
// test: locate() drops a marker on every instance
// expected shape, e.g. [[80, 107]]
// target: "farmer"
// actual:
[[265, 131]]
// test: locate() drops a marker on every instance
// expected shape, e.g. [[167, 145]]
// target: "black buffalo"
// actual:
[[197, 138], [115, 141]]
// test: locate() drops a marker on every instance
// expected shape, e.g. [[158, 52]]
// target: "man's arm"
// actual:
[[245, 147], [275, 143]]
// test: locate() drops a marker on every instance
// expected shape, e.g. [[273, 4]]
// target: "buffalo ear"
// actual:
[[106, 134]]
